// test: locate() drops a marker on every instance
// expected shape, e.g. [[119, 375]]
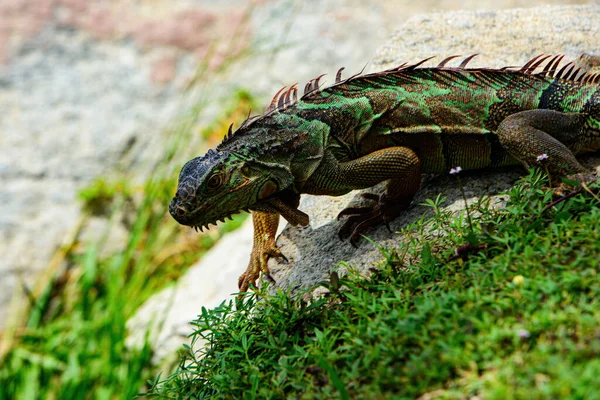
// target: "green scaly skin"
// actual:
[[389, 126]]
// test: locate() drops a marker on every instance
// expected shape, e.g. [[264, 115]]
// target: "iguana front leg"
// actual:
[[399, 165], [544, 138], [264, 247], [265, 217]]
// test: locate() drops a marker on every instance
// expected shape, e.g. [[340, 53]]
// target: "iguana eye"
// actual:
[[215, 181]]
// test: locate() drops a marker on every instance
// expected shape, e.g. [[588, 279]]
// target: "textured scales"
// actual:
[[388, 126]]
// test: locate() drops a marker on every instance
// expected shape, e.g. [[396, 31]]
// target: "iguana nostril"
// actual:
[[177, 210]]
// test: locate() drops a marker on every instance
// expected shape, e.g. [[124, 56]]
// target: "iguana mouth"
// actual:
[[214, 222], [275, 205]]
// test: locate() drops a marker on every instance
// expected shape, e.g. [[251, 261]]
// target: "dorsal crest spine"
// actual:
[[288, 96]]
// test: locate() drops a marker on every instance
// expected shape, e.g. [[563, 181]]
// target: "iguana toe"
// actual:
[[259, 262], [581, 179]]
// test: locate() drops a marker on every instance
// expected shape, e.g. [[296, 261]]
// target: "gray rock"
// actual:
[[501, 38], [315, 251]]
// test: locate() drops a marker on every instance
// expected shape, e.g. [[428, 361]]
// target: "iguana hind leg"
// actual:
[[544, 138], [399, 165]]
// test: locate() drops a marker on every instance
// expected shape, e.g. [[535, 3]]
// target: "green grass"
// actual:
[[514, 316]]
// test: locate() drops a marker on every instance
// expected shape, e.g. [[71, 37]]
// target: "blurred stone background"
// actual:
[[87, 86]]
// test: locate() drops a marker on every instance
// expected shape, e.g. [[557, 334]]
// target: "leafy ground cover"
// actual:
[[507, 309]]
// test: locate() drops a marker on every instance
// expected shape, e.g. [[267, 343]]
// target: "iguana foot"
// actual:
[[362, 218], [398, 166], [259, 262], [581, 179], [263, 248]]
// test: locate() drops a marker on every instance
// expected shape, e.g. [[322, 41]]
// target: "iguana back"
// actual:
[[448, 116]]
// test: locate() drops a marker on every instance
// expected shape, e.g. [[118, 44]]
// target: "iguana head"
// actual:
[[219, 184]]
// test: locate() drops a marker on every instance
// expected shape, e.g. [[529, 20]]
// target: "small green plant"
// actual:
[[516, 319]]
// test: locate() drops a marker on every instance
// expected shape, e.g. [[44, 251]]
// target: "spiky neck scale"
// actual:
[[268, 139]]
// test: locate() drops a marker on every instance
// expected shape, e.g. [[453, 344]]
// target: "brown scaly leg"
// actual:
[[399, 165], [264, 247], [541, 138]]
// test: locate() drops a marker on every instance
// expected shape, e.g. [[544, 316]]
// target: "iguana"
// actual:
[[388, 126]]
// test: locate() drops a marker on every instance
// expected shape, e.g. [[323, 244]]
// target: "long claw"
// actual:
[[353, 211], [346, 230], [362, 226], [370, 196], [243, 284], [281, 255], [387, 225]]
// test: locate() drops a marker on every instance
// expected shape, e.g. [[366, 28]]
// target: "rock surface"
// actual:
[[503, 38]]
